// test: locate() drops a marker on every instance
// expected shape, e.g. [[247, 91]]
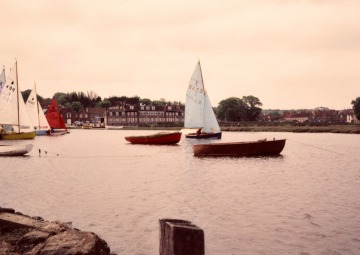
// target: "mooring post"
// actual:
[[180, 237]]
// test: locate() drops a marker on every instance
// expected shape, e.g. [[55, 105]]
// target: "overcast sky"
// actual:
[[291, 54]]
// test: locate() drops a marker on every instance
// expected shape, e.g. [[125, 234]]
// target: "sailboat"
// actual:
[[2, 79], [199, 113], [55, 120], [36, 114], [13, 114]]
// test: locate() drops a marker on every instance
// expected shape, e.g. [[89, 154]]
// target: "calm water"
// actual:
[[304, 202]]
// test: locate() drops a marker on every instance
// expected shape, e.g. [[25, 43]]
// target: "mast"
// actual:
[[37, 105], [203, 84], [17, 89]]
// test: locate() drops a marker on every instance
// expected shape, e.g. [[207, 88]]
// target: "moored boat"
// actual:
[[15, 150], [240, 149], [157, 138], [17, 136], [113, 127]]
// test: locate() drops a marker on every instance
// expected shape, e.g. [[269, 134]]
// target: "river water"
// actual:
[[304, 202]]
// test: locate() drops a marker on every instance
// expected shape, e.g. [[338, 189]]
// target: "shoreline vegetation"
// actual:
[[345, 128], [294, 128]]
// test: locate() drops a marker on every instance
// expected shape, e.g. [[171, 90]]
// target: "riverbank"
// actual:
[[264, 127], [294, 128], [275, 127]]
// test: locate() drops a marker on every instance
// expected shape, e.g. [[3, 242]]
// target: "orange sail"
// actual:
[[54, 118]]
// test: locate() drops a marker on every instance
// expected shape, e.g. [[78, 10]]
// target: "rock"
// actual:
[[25, 235], [73, 242]]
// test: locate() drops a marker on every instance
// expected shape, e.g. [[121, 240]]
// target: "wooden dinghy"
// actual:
[[158, 138], [240, 149]]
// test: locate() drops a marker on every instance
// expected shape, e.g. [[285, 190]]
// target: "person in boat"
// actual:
[[2, 130], [198, 132]]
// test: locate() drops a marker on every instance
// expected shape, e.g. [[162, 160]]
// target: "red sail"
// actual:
[[53, 116]]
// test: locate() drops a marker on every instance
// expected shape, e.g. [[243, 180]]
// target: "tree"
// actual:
[[76, 106], [160, 102], [145, 101], [252, 107], [25, 94], [103, 104], [133, 100], [356, 107], [275, 115], [231, 109], [61, 98]]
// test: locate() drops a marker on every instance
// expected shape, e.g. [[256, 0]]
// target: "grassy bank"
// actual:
[[296, 128], [275, 127], [270, 127]]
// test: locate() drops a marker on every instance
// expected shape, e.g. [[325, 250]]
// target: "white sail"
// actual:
[[35, 111], [12, 106], [198, 110], [2, 79]]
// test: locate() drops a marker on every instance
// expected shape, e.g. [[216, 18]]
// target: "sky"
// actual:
[[291, 54]]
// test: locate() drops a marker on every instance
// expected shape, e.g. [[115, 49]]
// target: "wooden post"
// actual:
[[180, 237]]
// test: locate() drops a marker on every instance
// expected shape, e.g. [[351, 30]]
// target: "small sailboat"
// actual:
[[13, 112], [199, 113], [36, 114], [55, 120], [2, 79]]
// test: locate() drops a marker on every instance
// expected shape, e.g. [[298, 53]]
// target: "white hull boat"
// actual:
[[15, 150]]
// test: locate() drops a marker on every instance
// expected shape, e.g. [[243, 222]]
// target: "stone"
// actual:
[[25, 235]]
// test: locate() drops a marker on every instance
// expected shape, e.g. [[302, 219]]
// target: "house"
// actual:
[[69, 116], [325, 115], [96, 116], [349, 116], [302, 116], [142, 115]]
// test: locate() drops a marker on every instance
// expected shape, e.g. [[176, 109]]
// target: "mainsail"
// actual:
[[54, 118], [36, 113], [198, 110], [2, 79], [12, 107]]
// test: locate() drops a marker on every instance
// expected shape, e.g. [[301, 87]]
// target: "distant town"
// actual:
[[172, 115]]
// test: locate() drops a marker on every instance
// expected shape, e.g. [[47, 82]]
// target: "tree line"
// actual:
[[246, 108]]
